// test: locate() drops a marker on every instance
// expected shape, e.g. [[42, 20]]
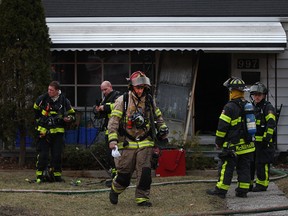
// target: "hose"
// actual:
[[282, 174]]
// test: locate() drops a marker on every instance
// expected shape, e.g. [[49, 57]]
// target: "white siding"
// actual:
[[282, 85]]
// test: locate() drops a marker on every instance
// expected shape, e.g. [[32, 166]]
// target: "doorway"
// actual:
[[210, 94]]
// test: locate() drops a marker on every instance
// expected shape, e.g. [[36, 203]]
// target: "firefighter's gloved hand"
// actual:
[[42, 134], [163, 132], [115, 152], [69, 118]]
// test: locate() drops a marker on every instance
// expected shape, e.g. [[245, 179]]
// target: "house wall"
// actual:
[[272, 74], [281, 91]]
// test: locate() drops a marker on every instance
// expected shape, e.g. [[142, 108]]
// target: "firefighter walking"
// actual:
[[130, 131], [52, 111], [264, 143], [237, 146]]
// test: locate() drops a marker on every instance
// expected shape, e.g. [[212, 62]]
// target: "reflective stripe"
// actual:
[[117, 191], [265, 182], [36, 107], [39, 173], [225, 118], [163, 126], [56, 130], [236, 121], [220, 183], [116, 113], [158, 112], [220, 134], [244, 148], [241, 147], [42, 129], [270, 131], [57, 174], [258, 138], [44, 112], [112, 136], [243, 185], [52, 130], [136, 145], [270, 116], [140, 200]]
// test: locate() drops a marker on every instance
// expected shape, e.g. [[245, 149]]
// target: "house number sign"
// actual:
[[248, 64]]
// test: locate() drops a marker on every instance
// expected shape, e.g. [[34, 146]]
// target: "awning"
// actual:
[[206, 36]]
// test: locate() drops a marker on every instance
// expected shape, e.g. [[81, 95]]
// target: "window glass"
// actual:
[[121, 89], [87, 96], [142, 56], [69, 92], [115, 57], [64, 73], [63, 56], [148, 69], [116, 73], [89, 73], [90, 56]]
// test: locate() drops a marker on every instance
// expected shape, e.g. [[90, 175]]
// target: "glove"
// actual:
[[227, 153], [163, 132], [42, 134], [115, 153], [69, 118]]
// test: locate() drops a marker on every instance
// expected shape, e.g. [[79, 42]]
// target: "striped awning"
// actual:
[[74, 34]]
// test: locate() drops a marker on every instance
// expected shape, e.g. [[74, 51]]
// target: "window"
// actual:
[[82, 72]]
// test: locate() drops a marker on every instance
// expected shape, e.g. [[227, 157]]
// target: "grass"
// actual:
[[171, 199], [168, 199]]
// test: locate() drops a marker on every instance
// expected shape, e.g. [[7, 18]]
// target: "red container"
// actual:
[[171, 163]]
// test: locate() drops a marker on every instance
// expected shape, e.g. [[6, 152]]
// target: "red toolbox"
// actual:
[[171, 163]]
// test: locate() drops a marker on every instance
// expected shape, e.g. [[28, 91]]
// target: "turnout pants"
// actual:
[[262, 169], [131, 160], [242, 165], [50, 150]]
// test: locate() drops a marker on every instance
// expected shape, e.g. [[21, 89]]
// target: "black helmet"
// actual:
[[235, 83], [258, 87]]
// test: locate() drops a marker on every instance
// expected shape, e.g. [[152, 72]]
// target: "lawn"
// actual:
[[169, 195]]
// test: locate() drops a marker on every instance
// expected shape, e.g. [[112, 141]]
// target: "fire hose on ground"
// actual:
[[281, 174]]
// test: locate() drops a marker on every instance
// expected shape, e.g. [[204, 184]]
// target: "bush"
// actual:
[[79, 157]]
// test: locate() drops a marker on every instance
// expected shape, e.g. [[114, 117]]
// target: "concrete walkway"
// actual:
[[273, 197]]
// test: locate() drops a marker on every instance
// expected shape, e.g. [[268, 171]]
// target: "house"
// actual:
[[188, 48]]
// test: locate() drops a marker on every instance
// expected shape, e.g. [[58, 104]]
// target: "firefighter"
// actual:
[[264, 143], [52, 111], [237, 146], [103, 111], [130, 131]]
